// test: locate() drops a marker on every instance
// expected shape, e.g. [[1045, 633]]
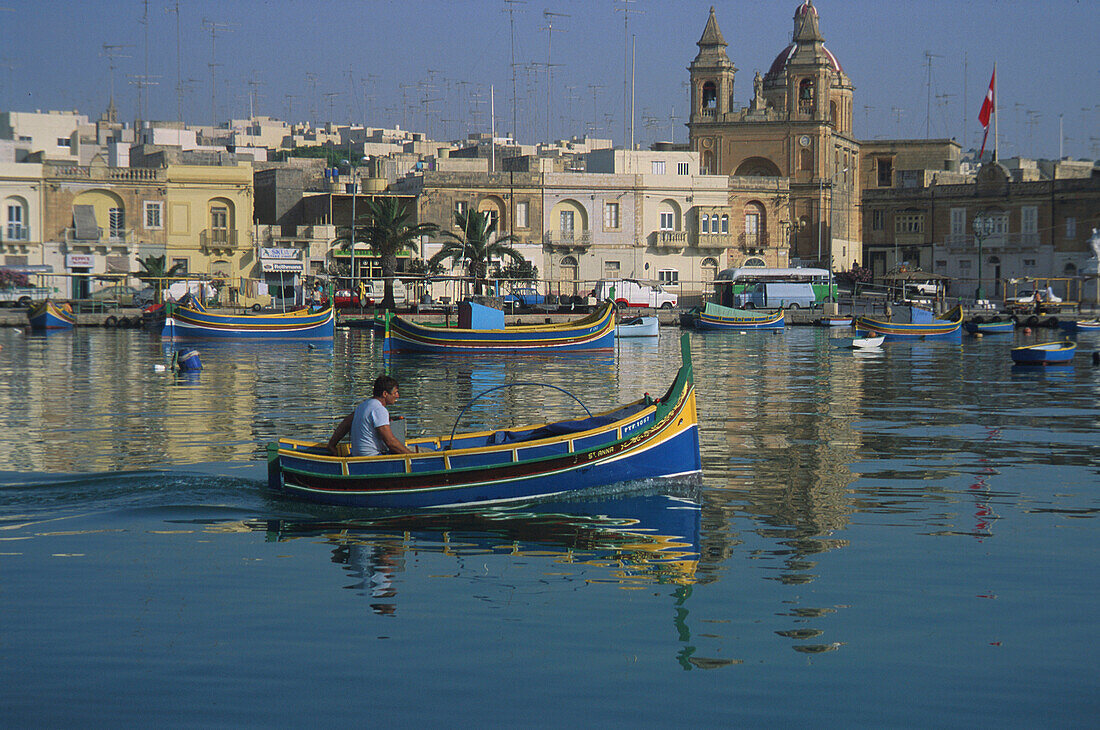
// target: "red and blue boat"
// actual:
[[922, 325], [649, 439], [1046, 353], [595, 331], [194, 321], [49, 316], [717, 317]]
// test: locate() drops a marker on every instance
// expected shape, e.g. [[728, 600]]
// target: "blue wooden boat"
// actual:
[[192, 320], [1001, 327], [945, 325], [836, 321], [49, 316], [717, 317], [1046, 353], [593, 332], [644, 440], [1080, 325]]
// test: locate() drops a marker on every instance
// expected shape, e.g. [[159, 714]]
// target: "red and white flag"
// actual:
[[987, 109]]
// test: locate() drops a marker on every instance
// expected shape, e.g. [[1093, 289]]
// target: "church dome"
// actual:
[[780, 62], [806, 34]]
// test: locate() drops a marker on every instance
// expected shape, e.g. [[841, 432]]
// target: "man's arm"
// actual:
[[392, 442], [341, 431]]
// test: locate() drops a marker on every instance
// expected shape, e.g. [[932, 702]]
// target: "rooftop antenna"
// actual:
[[510, 8], [141, 81], [145, 73], [898, 113], [549, 16], [179, 67], [214, 28], [928, 56], [253, 84], [311, 79], [6, 63], [405, 104], [595, 89], [626, 10], [113, 52], [330, 96], [944, 101], [290, 107]]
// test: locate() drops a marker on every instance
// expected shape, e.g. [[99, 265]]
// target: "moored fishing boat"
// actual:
[[647, 439], [1045, 353], [192, 320], [595, 331], [717, 317], [49, 316], [945, 325], [835, 321], [999, 327], [862, 343], [638, 327], [1080, 325]]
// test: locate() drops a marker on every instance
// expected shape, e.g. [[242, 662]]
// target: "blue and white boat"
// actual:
[[193, 321], [1046, 353]]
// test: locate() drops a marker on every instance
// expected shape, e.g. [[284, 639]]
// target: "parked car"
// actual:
[[1027, 296], [144, 298], [524, 296], [635, 293], [117, 293], [345, 298]]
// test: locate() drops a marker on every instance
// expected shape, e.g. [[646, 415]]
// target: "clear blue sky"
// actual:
[[429, 64]]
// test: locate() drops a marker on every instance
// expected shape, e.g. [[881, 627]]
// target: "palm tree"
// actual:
[[154, 270], [478, 245], [386, 228]]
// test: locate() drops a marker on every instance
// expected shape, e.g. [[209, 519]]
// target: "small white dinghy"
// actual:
[[862, 343], [638, 327]]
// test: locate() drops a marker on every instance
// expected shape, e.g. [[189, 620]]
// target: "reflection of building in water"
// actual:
[[787, 439]]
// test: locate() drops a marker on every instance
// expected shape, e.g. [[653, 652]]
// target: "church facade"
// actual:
[[798, 127]]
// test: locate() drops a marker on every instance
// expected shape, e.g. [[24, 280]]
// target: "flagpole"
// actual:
[[996, 116]]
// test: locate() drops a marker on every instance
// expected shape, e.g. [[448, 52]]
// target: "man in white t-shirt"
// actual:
[[369, 424]]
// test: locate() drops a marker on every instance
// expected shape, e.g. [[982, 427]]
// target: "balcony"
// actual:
[[713, 240], [669, 239], [218, 239], [568, 239], [752, 242]]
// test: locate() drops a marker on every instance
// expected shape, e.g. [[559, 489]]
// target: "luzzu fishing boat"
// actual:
[[593, 332], [1045, 353], [1080, 325], [186, 321], [644, 440], [716, 317], [49, 316], [1000, 327], [925, 326]]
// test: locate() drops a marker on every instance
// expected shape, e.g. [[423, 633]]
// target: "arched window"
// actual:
[[725, 223], [714, 223], [710, 95], [704, 223], [1070, 270], [754, 262], [805, 160], [708, 163], [708, 269], [832, 113], [806, 96], [567, 275]]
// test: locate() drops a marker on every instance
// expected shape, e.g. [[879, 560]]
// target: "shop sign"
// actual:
[[79, 261], [281, 259]]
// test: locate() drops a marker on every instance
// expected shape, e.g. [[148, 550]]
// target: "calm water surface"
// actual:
[[906, 537]]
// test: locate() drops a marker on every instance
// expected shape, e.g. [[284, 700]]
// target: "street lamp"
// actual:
[[821, 210], [983, 228]]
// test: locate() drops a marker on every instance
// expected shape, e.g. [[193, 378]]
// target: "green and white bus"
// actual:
[[731, 282]]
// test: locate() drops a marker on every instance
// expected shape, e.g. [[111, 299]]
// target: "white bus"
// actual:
[[735, 281]]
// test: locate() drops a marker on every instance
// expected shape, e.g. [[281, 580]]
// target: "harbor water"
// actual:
[[886, 538]]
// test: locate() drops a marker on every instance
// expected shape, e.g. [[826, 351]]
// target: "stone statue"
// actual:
[[1094, 242], [758, 93]]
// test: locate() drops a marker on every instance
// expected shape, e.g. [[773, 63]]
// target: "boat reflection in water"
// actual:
[[632, 540]]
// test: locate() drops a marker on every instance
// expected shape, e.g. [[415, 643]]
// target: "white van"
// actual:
[[635, 293], [782, 295], [377, 289]]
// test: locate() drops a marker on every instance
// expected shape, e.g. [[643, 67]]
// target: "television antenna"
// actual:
[[113, 52], [550, 29], [215, 27], [928, 56], [626, 10]]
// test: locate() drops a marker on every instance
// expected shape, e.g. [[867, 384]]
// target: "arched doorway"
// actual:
[[567, 276], [708, 269]]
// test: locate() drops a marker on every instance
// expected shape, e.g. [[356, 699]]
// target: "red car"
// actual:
[[346, 298]]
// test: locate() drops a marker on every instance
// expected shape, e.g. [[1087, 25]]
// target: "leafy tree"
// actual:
[[155, 271], [477, 247], [523, 271], [420, 267], [386, 227]]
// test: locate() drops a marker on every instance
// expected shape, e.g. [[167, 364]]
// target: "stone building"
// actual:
[[1040, 218], [798, 127]]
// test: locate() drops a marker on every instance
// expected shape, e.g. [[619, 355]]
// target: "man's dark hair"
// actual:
[[384, 384]]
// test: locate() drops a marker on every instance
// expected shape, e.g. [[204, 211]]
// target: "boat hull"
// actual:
[[990, 328], [642, 327], [776, 321], [192, 323], [594, 332], [1047, 353], [49, 316], [940, 328], [835, 322], [645, 440]]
